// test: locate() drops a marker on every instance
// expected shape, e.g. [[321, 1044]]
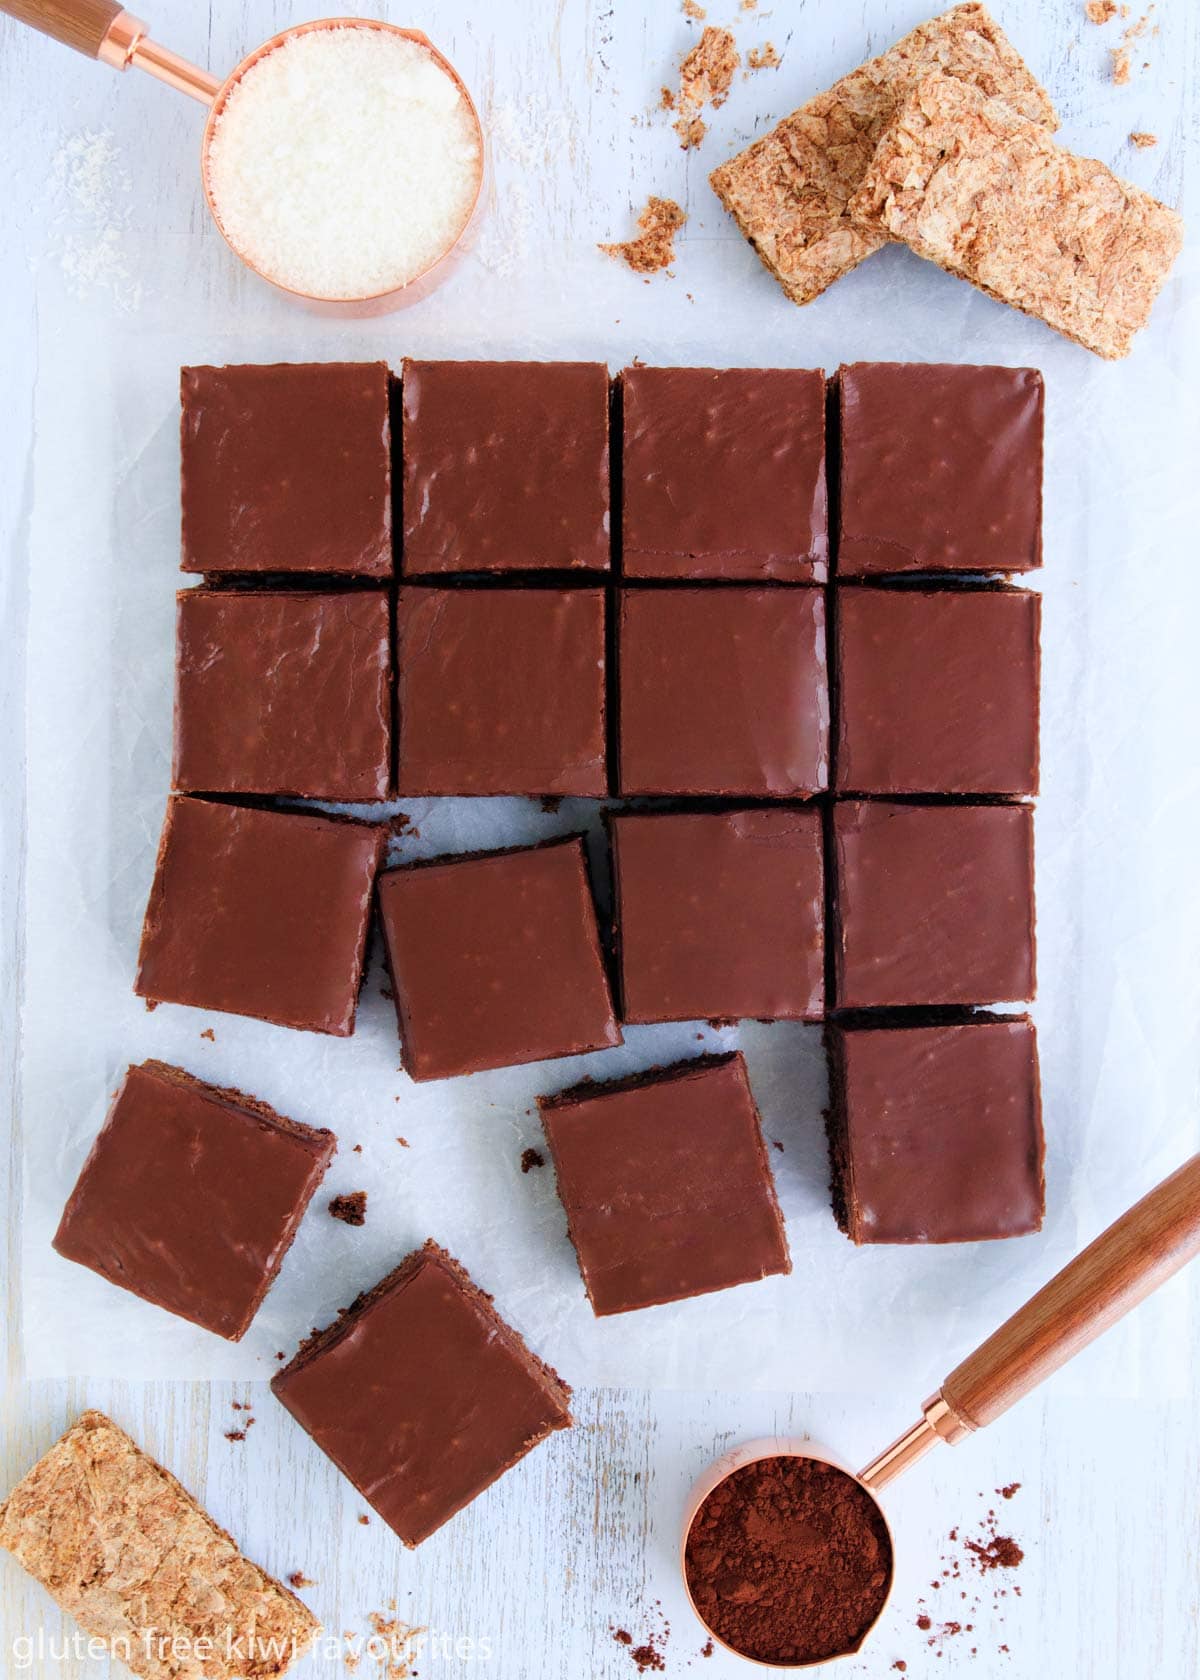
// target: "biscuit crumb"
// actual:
[[691, 9], [1100, 11], [666, 100], [763, 58], [748, 6], [298, 1580], [654, 247], [1120, 65], [705, 77], [1142, 140]]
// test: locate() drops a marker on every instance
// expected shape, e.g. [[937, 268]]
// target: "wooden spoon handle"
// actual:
[[82, 24], [1126, 1263]]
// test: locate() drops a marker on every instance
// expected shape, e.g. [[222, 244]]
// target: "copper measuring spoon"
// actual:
[[1126, 1263], [100, 29]]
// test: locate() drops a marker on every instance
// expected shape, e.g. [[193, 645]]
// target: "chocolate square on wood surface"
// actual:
[[422, 1395], [495, 959]]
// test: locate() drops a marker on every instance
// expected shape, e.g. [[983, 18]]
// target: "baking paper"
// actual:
[[1118, 906]]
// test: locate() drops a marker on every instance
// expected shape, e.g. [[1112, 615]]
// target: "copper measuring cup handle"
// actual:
[[100, 29], [1127, 1262]]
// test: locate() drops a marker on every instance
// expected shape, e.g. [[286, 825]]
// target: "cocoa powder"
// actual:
[[789, 1560]]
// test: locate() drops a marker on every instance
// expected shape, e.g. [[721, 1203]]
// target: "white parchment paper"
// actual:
[[1119, 909]]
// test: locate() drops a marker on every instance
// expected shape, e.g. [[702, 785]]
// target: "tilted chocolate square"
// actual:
[[260, 913], [666, 1185], [192, 1195], [422, 1395], [495, 959]]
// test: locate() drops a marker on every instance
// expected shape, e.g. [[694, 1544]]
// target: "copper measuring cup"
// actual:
[[1126, 1263], [102, 30]]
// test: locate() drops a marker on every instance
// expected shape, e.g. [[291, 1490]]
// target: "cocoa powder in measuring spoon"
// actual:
[[788, 1560]]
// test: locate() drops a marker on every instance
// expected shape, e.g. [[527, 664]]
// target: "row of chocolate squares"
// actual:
[[497, 958], [503, 467], [191, 1196], [717, 691]]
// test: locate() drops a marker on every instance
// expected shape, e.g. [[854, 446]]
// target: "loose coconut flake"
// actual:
[[345, 162]]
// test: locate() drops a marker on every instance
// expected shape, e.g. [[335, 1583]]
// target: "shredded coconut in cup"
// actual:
[[344, 161]]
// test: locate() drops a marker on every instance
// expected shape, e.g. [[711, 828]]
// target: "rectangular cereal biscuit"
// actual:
[[118, 1543], [986, 195], [789, 191]]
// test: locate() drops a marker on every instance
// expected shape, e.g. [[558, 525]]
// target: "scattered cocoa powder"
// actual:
[[788, 1560], [1000, 1552], [350, 1208], [531, 1158], [654, 247]]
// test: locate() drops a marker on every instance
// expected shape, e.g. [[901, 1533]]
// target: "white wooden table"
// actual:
[[582, 1539]]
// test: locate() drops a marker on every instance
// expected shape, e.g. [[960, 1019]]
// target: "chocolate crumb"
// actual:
[[209, 1034], [298, 1580], [365, 1520], [531, 1158], [350, 1208], [924, 1623], [706, 1650], [777, 1144], [622, 1636], [1141, 139], [654, 247], [235, 1434], [1007, 1492], [402, 1141], [551, 802]]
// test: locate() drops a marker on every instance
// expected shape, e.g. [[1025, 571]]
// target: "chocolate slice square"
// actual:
[[719, 914], [937, 691], [505, 467], [192, 1195], [941, 468], [287, 468], [723, 691], [724, 474], [501, 691], [666, 1185], [495, 959], [260, 913], [283, 692], [422, 1395], [936, 1132], [933, 904]]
